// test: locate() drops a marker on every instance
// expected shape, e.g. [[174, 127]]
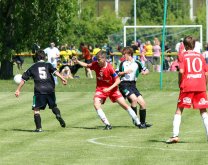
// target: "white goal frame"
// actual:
[[160, 26]]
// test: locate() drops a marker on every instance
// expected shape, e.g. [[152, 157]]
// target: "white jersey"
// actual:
[[135, 68]]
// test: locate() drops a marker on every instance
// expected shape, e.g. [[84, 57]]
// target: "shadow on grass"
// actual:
[[102, 127], [162, 141], [26, 130]]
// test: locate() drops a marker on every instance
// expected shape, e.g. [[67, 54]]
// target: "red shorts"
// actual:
[[113, 94], [197, 99]]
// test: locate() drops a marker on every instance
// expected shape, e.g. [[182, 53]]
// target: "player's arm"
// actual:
[[115, 84], [64, 81], [17, 92], [76, 61]]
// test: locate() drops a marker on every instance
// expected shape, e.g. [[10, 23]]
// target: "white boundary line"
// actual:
[[95, 141]]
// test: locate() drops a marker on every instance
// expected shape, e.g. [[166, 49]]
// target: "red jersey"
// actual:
[[194, 66], [86, 53], [105, 75]]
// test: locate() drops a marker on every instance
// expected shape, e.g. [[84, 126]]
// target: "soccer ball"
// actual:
[[17, 78]]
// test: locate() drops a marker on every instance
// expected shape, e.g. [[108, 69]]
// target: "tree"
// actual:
[[24, 21]]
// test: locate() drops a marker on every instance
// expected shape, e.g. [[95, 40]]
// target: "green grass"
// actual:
[[83, 142]]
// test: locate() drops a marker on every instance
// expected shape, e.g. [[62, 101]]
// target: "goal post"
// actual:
[[160, 26]]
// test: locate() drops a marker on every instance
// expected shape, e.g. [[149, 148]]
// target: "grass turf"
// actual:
[[84, 142]]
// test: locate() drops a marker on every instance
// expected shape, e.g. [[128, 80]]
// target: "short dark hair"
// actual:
[[40, 55], [189, 43], [128, 50]]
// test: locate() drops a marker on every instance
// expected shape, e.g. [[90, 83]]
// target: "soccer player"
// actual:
[[107, 86], [129, 70], [193, 70], [44, 88]]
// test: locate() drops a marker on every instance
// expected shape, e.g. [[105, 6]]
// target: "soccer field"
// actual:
[[84, 142]]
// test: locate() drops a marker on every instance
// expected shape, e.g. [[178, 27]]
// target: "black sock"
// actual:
[[57, 112], [37, 120], [134, 109], [142, 114]]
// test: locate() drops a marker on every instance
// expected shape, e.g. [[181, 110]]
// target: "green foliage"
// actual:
[[201, 19], [151, 12]]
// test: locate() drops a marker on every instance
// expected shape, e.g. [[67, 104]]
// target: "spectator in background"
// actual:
[[135, 48], [174, 65], [53, 55], [87, 57], [66, 73], [198, 46], [109, 53], [178, 45], [167, 48], [148, 54], [142, 52], [156, 55], [96, 49], [205, 53], [18, 60], [35, 48]]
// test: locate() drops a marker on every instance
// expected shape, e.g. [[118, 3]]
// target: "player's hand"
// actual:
[[106, 90], [128, 71], [64, 81], [17, 93]]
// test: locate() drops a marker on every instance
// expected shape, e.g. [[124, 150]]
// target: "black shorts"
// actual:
[[40, 101], [128, 88]]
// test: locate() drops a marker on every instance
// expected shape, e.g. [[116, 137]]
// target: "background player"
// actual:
[[107, 86], [44, 89], [193, 70], [129, 71]]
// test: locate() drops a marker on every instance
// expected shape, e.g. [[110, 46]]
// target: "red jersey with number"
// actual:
[[105, 75], [194, 66]]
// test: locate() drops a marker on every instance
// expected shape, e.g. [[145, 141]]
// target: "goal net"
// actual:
[[173, 35]]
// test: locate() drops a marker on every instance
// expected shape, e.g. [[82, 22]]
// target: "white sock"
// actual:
[[205, 121], [176, 124], [133, 115], [102, 116]]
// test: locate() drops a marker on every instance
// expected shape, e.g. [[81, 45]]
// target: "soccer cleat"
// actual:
[[38, 130], [61, 121], [173, 140], [142, 126], [108, 127], [148, 125]]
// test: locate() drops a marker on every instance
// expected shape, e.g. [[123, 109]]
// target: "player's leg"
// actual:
[[97, 105], [39, 102], [89, 73], [121, 101], [37, 120], [53, 106], [176, 126], [204, 116], [142, 110], [57, 113]]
